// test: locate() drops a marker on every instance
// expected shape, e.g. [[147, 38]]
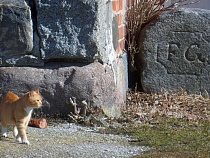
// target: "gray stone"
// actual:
[[93, 83], [16, 34], [74, 30], [175, 51]]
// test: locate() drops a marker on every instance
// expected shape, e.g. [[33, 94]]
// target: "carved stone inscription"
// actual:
[[185, 53], [175, 52]]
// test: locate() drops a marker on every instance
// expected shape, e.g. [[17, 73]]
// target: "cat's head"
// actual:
[[34, 98]]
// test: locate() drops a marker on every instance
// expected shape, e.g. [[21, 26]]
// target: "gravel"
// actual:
[[69, 140]]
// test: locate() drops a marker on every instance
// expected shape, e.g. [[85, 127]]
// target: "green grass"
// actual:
[[174, 138]]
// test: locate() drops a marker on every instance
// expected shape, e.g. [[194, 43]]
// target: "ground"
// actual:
[[161, 125], [68, 140]]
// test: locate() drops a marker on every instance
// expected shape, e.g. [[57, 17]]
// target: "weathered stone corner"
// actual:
[[16, 35], [176, 51]]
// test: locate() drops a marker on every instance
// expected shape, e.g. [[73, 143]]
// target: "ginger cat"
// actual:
[[17, 112]]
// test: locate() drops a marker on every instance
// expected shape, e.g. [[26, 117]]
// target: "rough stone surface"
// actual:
[[75, 30], [16, 34], [82, 30], [93, 83], [175, 51]]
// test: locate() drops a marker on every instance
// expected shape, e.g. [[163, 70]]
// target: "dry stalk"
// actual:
[[74, 104], [84, 105]]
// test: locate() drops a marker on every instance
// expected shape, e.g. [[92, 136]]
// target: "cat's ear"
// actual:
[[37, 90], [29, 94]]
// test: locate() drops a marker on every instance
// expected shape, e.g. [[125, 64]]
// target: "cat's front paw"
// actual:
[[26, 142], [19, 140], [4, 135]]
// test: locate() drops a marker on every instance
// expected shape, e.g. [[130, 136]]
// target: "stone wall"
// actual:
[[76, 49], [84, 39]]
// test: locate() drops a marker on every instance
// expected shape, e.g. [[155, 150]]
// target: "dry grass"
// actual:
[[145, 107]]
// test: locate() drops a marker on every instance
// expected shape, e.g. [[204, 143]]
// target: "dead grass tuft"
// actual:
[[143, 107]]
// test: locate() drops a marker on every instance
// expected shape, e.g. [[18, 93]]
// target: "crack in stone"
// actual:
[[33, 6]]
